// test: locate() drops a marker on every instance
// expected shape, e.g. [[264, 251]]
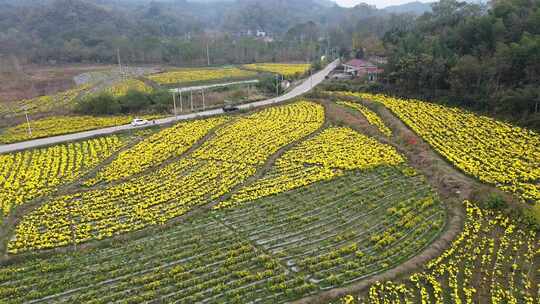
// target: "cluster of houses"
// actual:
[[258, 34], [360, 68]]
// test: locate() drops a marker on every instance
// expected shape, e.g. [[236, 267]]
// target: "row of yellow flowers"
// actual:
[[121, 88], [209, 172], [31, 174], [371, 116], [494, 260], [254, 142], [188, 75], [154, 150], [58, 125], [493, 151], [285, 69], [322, 157]]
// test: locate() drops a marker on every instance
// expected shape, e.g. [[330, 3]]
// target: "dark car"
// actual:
[[230, 108]]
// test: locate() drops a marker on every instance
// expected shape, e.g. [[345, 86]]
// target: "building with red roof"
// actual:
[[362, 68]]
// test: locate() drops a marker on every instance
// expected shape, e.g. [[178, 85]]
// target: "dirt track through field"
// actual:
[[452, 186]]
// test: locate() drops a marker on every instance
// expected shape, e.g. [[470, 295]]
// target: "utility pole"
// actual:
[[28, 122], [203, 105], [277, 84], [181, 109], [207, 53], [311, 77], [174, 102], [119, 62], [191, 101]]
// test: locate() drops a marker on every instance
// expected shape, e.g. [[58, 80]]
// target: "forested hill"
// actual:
[[469, 55], [174, 31]]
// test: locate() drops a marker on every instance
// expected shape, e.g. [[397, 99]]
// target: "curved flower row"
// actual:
[[494, 259], [493, 151], [188, 75], [254, 142], [58, 125], [279, 250], [285, 69], [371, 116], [31, 174], [208, 173], [157, 148], [323, 157]]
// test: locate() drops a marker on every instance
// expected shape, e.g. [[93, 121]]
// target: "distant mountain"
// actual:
[[326, 3], [170, 30], [208, 1], [416, 8]]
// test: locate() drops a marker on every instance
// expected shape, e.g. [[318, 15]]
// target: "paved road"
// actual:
[[304, 87]]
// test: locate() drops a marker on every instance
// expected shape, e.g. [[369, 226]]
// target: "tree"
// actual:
[[488, 60]]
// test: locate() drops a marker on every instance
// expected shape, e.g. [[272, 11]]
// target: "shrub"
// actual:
[[495, 202], [268, 85], [102, 104], [133, 102]]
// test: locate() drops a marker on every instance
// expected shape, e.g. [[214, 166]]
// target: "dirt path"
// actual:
[[451, 185], [449, 182]]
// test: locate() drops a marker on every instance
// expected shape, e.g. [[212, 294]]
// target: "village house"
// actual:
[[362, 68]]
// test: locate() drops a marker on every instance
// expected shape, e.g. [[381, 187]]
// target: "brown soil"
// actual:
[[36, 80]]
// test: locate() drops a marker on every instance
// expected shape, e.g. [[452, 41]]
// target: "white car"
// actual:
[[139, 122]]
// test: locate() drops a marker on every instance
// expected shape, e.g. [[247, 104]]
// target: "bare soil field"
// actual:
[[31, 81]]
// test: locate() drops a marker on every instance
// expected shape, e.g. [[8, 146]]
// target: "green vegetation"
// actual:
[[276, 204], [133, 102], [495, 259], [467, 56], [274, 249]]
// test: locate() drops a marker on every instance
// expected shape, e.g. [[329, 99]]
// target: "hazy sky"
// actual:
[[378, 3]]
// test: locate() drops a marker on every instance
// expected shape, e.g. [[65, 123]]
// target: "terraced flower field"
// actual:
[[156, 149], [493, 151], [58, 125], [63, 100], [193, 75], [494, 260], [211, 171], [323, 157], [269, 206], [270, 251], [285, 69], [32, 174]]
